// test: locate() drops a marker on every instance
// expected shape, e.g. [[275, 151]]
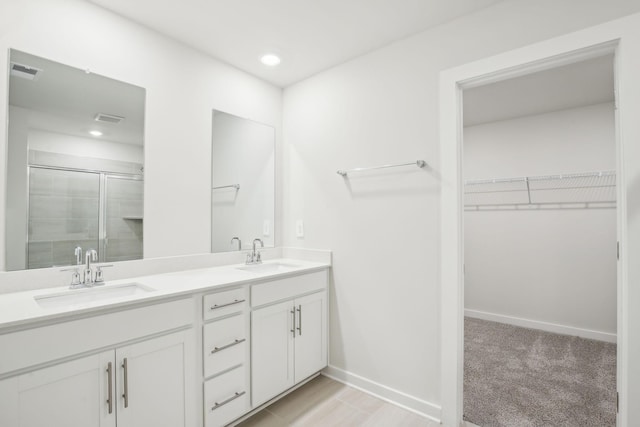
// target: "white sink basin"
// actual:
[[272, 267], [83, 296]]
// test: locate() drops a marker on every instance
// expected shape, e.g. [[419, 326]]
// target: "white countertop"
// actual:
[[20, 308]]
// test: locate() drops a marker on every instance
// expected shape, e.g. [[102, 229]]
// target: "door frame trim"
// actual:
[[581, 45]]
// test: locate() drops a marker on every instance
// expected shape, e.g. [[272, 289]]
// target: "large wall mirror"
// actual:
[[75, 162], [243, 183]]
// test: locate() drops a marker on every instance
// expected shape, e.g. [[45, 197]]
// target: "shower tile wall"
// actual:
[[124, 219], [63, 214]]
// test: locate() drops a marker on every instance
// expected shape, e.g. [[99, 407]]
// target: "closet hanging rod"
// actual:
[[541, 177], [236, 186], [419, 163]]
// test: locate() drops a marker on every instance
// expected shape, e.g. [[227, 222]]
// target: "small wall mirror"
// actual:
[[75, 162], [243, 183]]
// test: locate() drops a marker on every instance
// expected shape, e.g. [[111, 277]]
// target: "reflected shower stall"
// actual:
[[69, 208]]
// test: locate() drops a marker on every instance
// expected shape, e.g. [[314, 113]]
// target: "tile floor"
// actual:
[[324, 402]]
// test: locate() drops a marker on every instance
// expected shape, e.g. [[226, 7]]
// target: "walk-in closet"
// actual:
[[540, 248]]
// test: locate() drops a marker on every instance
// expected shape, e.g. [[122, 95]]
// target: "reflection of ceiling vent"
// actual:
[[108, 118], [25, 71]]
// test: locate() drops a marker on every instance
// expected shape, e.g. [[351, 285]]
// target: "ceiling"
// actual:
[[575, 85], [308, 35], [66, 100]]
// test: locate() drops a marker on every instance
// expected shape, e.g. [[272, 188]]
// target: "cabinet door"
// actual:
[[151, 382], [71, 394], [271, 351], [311, 335]]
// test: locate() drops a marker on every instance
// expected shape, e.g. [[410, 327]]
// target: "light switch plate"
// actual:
[[266, 228], [299, 228]]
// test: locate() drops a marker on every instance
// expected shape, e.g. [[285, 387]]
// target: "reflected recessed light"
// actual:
[[270, 59], [95, 132]]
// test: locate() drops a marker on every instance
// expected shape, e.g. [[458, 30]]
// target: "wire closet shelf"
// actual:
[[587, 188]]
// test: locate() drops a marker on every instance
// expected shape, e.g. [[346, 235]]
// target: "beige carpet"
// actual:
[[518, 377]]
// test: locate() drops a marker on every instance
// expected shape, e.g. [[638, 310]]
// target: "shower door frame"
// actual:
[[102, 208], [596, 41]]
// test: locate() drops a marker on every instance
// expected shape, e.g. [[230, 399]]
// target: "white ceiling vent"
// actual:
[[108, 118], [25, 71]]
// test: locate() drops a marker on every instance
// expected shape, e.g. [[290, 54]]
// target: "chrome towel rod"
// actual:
[[236, 186], [419, 163]]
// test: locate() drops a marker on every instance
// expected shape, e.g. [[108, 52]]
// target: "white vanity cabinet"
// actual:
[[138, 385], [288, 333], [203, 357], [144, 383], [70, 394], [150, 382], [225, 337]]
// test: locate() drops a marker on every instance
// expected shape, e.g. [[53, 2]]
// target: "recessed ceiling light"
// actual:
[[95, 132], [270, 59]]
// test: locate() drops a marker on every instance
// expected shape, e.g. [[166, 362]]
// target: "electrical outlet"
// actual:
[[266, 228], [299, 229]]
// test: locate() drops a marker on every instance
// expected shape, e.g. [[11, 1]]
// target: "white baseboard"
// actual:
[[396, 397], [543, 326]]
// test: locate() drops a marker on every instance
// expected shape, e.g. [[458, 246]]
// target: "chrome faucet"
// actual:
[[88, 279], [90, 255], [254, 257], [239, 242]]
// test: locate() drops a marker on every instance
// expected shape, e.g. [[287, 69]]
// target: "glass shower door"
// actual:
[[63, 214], [123, 219]]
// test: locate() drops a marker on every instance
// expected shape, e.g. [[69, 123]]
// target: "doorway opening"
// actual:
[[539, 239]]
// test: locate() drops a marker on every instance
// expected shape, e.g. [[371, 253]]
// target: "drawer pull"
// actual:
[[224, 402], [224, 347], [216, 306]]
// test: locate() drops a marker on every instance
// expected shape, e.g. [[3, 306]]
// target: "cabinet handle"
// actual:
[[299, 320], [236, 342], [125, 395], [110, 387], [216, 405], [293, 316], [216, 306]]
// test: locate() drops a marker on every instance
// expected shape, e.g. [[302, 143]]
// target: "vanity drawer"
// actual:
[[278, 290], [225, 398], [224, 303], [225, 344]]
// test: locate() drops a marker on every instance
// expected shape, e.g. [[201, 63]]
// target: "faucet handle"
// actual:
[[258, 257], [99, 280], [75, 277], [249, 257]]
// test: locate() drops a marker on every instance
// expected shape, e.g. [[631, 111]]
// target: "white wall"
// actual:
[[182, 87], [84, 147], [243, 153], [545, 265], [384, 228]]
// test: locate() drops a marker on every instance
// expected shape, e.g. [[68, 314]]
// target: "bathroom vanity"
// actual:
[[191, 348], [197, 347]]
